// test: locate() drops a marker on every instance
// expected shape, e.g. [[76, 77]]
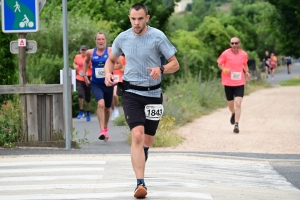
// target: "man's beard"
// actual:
[[139, 31]]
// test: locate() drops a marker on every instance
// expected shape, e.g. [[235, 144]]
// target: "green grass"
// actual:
[[292, 82], [120, 121]]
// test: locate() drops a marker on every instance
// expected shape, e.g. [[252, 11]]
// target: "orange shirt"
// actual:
[[79, 60], [236, 64], [118, 74]]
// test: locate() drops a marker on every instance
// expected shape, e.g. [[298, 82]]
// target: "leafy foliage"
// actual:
[[115, 10], [8, 64], [48, 60], [10, 122], [286, 23]]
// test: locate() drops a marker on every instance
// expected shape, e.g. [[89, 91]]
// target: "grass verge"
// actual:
[[292, 82]]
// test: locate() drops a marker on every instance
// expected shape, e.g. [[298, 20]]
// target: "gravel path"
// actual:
[[270, 123]]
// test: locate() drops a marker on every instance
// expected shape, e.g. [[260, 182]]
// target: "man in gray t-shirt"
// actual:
[[143, 47]]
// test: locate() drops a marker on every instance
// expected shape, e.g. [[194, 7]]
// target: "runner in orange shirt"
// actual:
[[233, 63], [273, 64], [118, 77], [84, 91]]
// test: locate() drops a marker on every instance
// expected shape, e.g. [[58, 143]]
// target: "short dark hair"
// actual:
[[138, 6], [100, 33]]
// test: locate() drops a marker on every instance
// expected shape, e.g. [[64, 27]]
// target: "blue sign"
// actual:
[[20, 16]]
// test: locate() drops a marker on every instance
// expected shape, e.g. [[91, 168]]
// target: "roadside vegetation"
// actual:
[[10, 120], [292, 82]]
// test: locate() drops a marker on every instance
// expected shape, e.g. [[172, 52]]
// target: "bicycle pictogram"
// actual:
[[26, 22]]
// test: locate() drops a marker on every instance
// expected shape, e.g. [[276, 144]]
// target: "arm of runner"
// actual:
[[223, 69], [172, 65], [246, 69], [86, 65], [169, 68], [118, 64], [108, 69], [75, 64]]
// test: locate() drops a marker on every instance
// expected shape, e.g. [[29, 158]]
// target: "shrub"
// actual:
[[10, 122]]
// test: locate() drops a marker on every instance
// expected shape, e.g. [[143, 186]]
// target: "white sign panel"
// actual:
[[31, 46], [73, 72]]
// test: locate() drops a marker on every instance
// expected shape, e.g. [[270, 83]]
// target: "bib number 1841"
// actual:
[[154, 111]]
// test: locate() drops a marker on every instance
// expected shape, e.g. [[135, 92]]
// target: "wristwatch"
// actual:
[[162, 69]]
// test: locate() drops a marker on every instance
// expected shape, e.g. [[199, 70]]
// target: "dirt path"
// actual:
[[270, 123]]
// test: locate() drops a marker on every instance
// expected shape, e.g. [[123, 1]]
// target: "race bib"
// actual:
[[236, 75], [99, 72], [154, 111], [116, 78]]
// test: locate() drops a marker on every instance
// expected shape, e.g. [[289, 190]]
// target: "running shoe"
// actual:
[[232, 119], [140, 191], [80, 115], [88, 116], [106, 137], [102, 135], [106, 134], [236, 128]]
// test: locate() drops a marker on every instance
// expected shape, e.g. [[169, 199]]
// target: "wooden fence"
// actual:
[[43, 112]]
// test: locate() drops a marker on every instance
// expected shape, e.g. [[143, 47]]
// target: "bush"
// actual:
[[166, 135], [187, 100], [10, 122]]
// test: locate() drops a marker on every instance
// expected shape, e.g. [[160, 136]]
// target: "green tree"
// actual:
[[8, 67], [286, 23], [48, 60], [116, 10], [8, 64], [193, 55]]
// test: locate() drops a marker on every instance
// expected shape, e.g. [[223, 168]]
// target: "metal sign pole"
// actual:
[[66, 88]]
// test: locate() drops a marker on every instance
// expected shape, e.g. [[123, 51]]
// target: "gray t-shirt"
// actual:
[[142, 52]]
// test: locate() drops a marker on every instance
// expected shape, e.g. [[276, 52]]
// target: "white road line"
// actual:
[[9, 171], [47, 163], [96, 186], [119, 195], [49, 178]]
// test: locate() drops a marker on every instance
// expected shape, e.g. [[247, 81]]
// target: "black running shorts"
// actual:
[[84, 91], [134, 106], [234, 91]]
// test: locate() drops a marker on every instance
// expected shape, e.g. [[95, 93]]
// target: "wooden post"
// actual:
[[22, 82], [185, 67]]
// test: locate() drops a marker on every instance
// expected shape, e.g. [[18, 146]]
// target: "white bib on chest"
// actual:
[[236, 75], [99, 72]]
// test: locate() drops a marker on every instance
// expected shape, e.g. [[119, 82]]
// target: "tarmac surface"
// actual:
[[102, 170]]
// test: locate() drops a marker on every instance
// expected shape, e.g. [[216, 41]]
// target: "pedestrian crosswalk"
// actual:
[[111, 177]]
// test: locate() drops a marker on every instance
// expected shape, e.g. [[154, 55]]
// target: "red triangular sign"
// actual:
[[22, 43]]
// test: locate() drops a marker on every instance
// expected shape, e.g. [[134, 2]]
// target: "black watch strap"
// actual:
[[162, 69]]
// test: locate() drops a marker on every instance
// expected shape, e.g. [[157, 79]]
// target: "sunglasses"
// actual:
[[236, 43]]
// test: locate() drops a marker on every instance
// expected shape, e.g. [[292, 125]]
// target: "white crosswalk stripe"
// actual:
[[112, 177]]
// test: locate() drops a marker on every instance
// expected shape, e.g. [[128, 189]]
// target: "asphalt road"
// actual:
[[168, 176]]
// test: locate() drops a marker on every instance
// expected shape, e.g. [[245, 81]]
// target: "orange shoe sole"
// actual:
[[140, 193]]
